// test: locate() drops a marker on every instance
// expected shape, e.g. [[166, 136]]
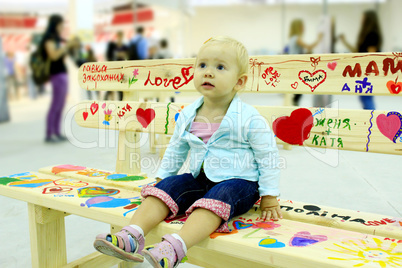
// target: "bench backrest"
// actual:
[[349, 74]]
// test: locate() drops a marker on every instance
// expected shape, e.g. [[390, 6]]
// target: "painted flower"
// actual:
[[135, 72]]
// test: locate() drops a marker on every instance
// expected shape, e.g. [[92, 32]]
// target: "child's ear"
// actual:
[[241, 82]]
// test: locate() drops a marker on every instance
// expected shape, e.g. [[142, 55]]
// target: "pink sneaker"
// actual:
[[167, 254], [126, 244]]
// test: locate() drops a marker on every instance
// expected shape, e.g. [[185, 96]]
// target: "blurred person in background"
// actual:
[[11, 76], [298, 46], [4, 114], [54, 47], [163, 51], [369, 40], [138, 47], [116, 51], [90, 57]]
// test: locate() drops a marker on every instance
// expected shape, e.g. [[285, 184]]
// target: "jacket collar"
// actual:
[[192, 111]]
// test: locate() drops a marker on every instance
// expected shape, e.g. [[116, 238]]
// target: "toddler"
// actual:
[[233, 158]]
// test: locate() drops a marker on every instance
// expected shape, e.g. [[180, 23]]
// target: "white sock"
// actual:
[[138, 228], [182, 242]]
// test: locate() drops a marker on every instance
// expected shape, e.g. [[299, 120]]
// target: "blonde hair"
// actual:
[[296, 27], [241, 52]]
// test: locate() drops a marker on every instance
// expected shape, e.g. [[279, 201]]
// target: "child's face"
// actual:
[[216, 73]]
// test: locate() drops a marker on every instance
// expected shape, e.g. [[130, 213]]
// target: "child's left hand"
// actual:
[[270, 208]]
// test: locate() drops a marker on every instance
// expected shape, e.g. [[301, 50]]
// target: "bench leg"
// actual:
[[48, 237]]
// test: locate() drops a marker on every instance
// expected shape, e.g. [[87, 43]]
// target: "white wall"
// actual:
[[260, 27]]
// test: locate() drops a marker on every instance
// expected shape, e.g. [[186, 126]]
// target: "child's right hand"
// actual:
[[158, 179]]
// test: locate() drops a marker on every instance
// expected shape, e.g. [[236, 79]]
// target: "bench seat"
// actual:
[[291, 242]]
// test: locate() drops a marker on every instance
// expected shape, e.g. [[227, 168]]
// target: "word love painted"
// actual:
[[96, 76], [176, 82]]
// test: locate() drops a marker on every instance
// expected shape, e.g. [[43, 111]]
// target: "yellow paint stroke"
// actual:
[[365, 252]]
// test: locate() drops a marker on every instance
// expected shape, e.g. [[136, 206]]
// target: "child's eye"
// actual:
[[202, 65], [221, 67]]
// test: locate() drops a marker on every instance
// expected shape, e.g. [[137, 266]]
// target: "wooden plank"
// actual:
[[107, 178], [48, 240], [355, 130], [294, 74], [95, 259], [286, 242]]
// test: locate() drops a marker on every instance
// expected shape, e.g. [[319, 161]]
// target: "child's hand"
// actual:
[[270, 208], [158, 179]]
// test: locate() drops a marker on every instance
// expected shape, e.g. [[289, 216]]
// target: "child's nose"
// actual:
[[208, 73]]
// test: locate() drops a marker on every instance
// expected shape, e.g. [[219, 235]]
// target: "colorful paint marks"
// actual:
[[70, 182], [255, 68], [30, 183], [394, 87], [94, 108], [145, 117], [303, 239], [390, 125], [107, 202], [7, 180], [93, 191], [56, 190], [134, 79], [124, 177], [312, 80], [332, 65], [66, 168], [294, 129], [108, 117], [270, 243], [124, 109], [370, 251], [271, 76]]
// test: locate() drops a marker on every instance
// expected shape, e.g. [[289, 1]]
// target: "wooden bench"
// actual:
[[311, 235]]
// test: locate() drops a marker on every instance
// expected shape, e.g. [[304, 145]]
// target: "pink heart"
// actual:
[[389, 125], [331, 65]]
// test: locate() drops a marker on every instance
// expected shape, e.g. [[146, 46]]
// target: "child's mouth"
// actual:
[[207, 85]]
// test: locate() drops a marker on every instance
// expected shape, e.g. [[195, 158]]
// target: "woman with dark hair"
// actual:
[[54, 48], [369, 40]]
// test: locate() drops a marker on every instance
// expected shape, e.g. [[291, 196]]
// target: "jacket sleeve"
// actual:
[[263, 144], [176, 153]]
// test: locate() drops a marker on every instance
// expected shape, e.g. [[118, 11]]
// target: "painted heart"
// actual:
[[239, 225], [394, 88], [56, 190], [185, 72], [145, 117], [103, 105], [85, 115], [64, 168], [70, 182], [94, 108], [30, 183], [303, 239], [312, 80], [332, 65], [390, 125], [294, 129], [107, 202], [271, 243], [294, 85], [96, 191]]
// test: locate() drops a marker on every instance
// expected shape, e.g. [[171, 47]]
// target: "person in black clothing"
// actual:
[[55, 48], [369, 40], [116, 51]]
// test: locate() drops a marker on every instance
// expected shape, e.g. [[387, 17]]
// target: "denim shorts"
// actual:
[[227, 199]]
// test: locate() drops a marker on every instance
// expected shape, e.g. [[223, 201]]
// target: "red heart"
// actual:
[[312, 80], [332, 65], [94, 108], [85, 115], [56, 190], [394, 88], [294, 85], [294, 129], [145, 116]]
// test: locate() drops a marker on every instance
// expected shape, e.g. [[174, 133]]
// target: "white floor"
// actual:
[[353, 180]]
